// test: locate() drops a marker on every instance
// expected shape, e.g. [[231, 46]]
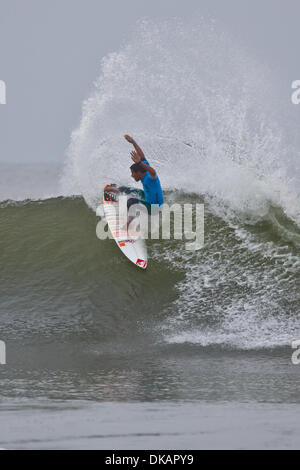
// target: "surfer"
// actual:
[[151, 196]]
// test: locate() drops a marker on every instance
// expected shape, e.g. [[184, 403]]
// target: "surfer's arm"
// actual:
[[139, 150], [136, 146], [137, 159], [149, 168]]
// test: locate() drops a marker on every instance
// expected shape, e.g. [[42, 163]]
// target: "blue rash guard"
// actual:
[[152, 189]]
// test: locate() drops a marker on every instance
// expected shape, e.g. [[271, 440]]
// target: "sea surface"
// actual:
[[196, 351]]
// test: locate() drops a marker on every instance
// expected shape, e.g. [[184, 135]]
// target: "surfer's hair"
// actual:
[[136, 168]]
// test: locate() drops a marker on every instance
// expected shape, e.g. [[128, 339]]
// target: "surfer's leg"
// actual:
[[132, 201], [125, 189], [138, 192], [147, 205]]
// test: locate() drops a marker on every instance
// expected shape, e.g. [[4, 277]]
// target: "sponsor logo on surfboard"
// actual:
[[123, 242], [142, 263]]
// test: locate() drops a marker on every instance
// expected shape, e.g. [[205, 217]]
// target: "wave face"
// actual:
[[59, 281]]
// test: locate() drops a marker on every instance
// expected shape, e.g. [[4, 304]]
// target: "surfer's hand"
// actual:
[[128, 138], [135, 157]]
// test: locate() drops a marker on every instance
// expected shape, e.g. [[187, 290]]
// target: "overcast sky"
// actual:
[[50, 52]]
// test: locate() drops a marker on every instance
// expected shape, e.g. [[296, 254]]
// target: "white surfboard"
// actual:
[[129, 241]]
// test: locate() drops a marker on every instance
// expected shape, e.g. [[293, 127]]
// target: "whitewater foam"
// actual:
[[177, 84]]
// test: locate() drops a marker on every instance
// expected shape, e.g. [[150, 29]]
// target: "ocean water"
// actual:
[[195, 352]]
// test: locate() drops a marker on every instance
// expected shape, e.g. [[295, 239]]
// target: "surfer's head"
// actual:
[[137, 171]]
